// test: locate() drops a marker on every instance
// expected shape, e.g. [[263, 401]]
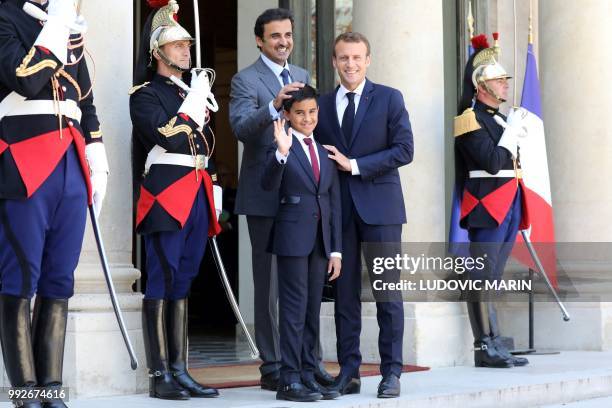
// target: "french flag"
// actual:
[[535, 176]]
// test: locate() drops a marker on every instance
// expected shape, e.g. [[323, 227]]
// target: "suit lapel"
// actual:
[[364, 104], [331, 107], [296, 149], [323, 164], [268, 78]]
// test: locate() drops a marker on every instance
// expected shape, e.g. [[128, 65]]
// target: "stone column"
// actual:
[[407, 53], [96, 362], [576, 99]]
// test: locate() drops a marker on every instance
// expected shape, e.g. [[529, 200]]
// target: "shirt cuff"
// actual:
[[335, 255], [273, 112], [354, 167], [281, 158]]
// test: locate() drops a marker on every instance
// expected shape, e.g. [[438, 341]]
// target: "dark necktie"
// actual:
[[349, 118], [285, 74], [313, 158]]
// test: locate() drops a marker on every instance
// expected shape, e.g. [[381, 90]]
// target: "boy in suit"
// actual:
[[306, 239]]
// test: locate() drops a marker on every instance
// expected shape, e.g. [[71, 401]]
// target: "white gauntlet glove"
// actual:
[[509, 141], [195, 103], [55, 32], [516, 118], [95, 153], [514, 129], [79, 26], [218, 197], [199, 99]]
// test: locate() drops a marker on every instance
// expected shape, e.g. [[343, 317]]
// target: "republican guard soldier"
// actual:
[[488, 173], [52, 165], [179, 200]]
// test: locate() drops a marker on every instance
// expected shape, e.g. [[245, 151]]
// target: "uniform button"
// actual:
[[64, 88], [318, 195], [198, 146], [70, 123], [315, 215]]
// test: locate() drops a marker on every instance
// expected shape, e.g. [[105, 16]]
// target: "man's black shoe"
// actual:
[[297, 392], [389, 387], [346, 385], [270, 381], [323, 377], [324, 391]]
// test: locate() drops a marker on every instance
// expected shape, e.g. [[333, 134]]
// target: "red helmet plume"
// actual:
[[480, 42], [157, 3]]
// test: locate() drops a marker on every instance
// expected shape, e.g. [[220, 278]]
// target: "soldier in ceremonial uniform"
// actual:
[[179, 201], [52, 165], [488, 174]]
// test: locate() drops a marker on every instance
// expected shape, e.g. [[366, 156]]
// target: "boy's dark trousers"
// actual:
[[300, 288]]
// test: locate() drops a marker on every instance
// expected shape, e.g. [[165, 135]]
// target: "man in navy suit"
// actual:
[[306, 239], [367, 132]]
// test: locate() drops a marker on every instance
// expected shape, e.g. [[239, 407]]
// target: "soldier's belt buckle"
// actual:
[[201, 162]]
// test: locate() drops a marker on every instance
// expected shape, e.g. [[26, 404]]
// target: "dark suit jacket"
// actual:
[[25, 72], [478, 150], [153, 109], [381, 143], [303, 203], [252, 90]]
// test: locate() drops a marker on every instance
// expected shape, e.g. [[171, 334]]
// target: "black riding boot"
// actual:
[[49, 334], [176, 323], [16, 339], [485, 353], [495, 337], [161, 383]]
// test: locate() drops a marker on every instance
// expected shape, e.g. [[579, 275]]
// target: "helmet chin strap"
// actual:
[[168, 62], [492, 92]]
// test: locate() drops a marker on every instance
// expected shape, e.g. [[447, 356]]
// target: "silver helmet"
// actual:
[[165, 29], [485, 68]]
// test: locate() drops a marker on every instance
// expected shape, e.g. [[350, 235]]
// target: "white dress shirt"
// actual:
[[341, 105], [283, 159], [276, 69]]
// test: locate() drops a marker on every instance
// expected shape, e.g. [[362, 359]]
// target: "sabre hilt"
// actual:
[[211, 102]]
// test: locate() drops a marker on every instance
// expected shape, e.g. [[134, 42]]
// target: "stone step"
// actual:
[[605, 402], [548, 380]]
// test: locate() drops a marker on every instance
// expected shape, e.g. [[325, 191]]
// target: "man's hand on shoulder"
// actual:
[[343, 162]]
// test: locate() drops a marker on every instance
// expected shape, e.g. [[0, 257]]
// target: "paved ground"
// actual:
[[548, 380]]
